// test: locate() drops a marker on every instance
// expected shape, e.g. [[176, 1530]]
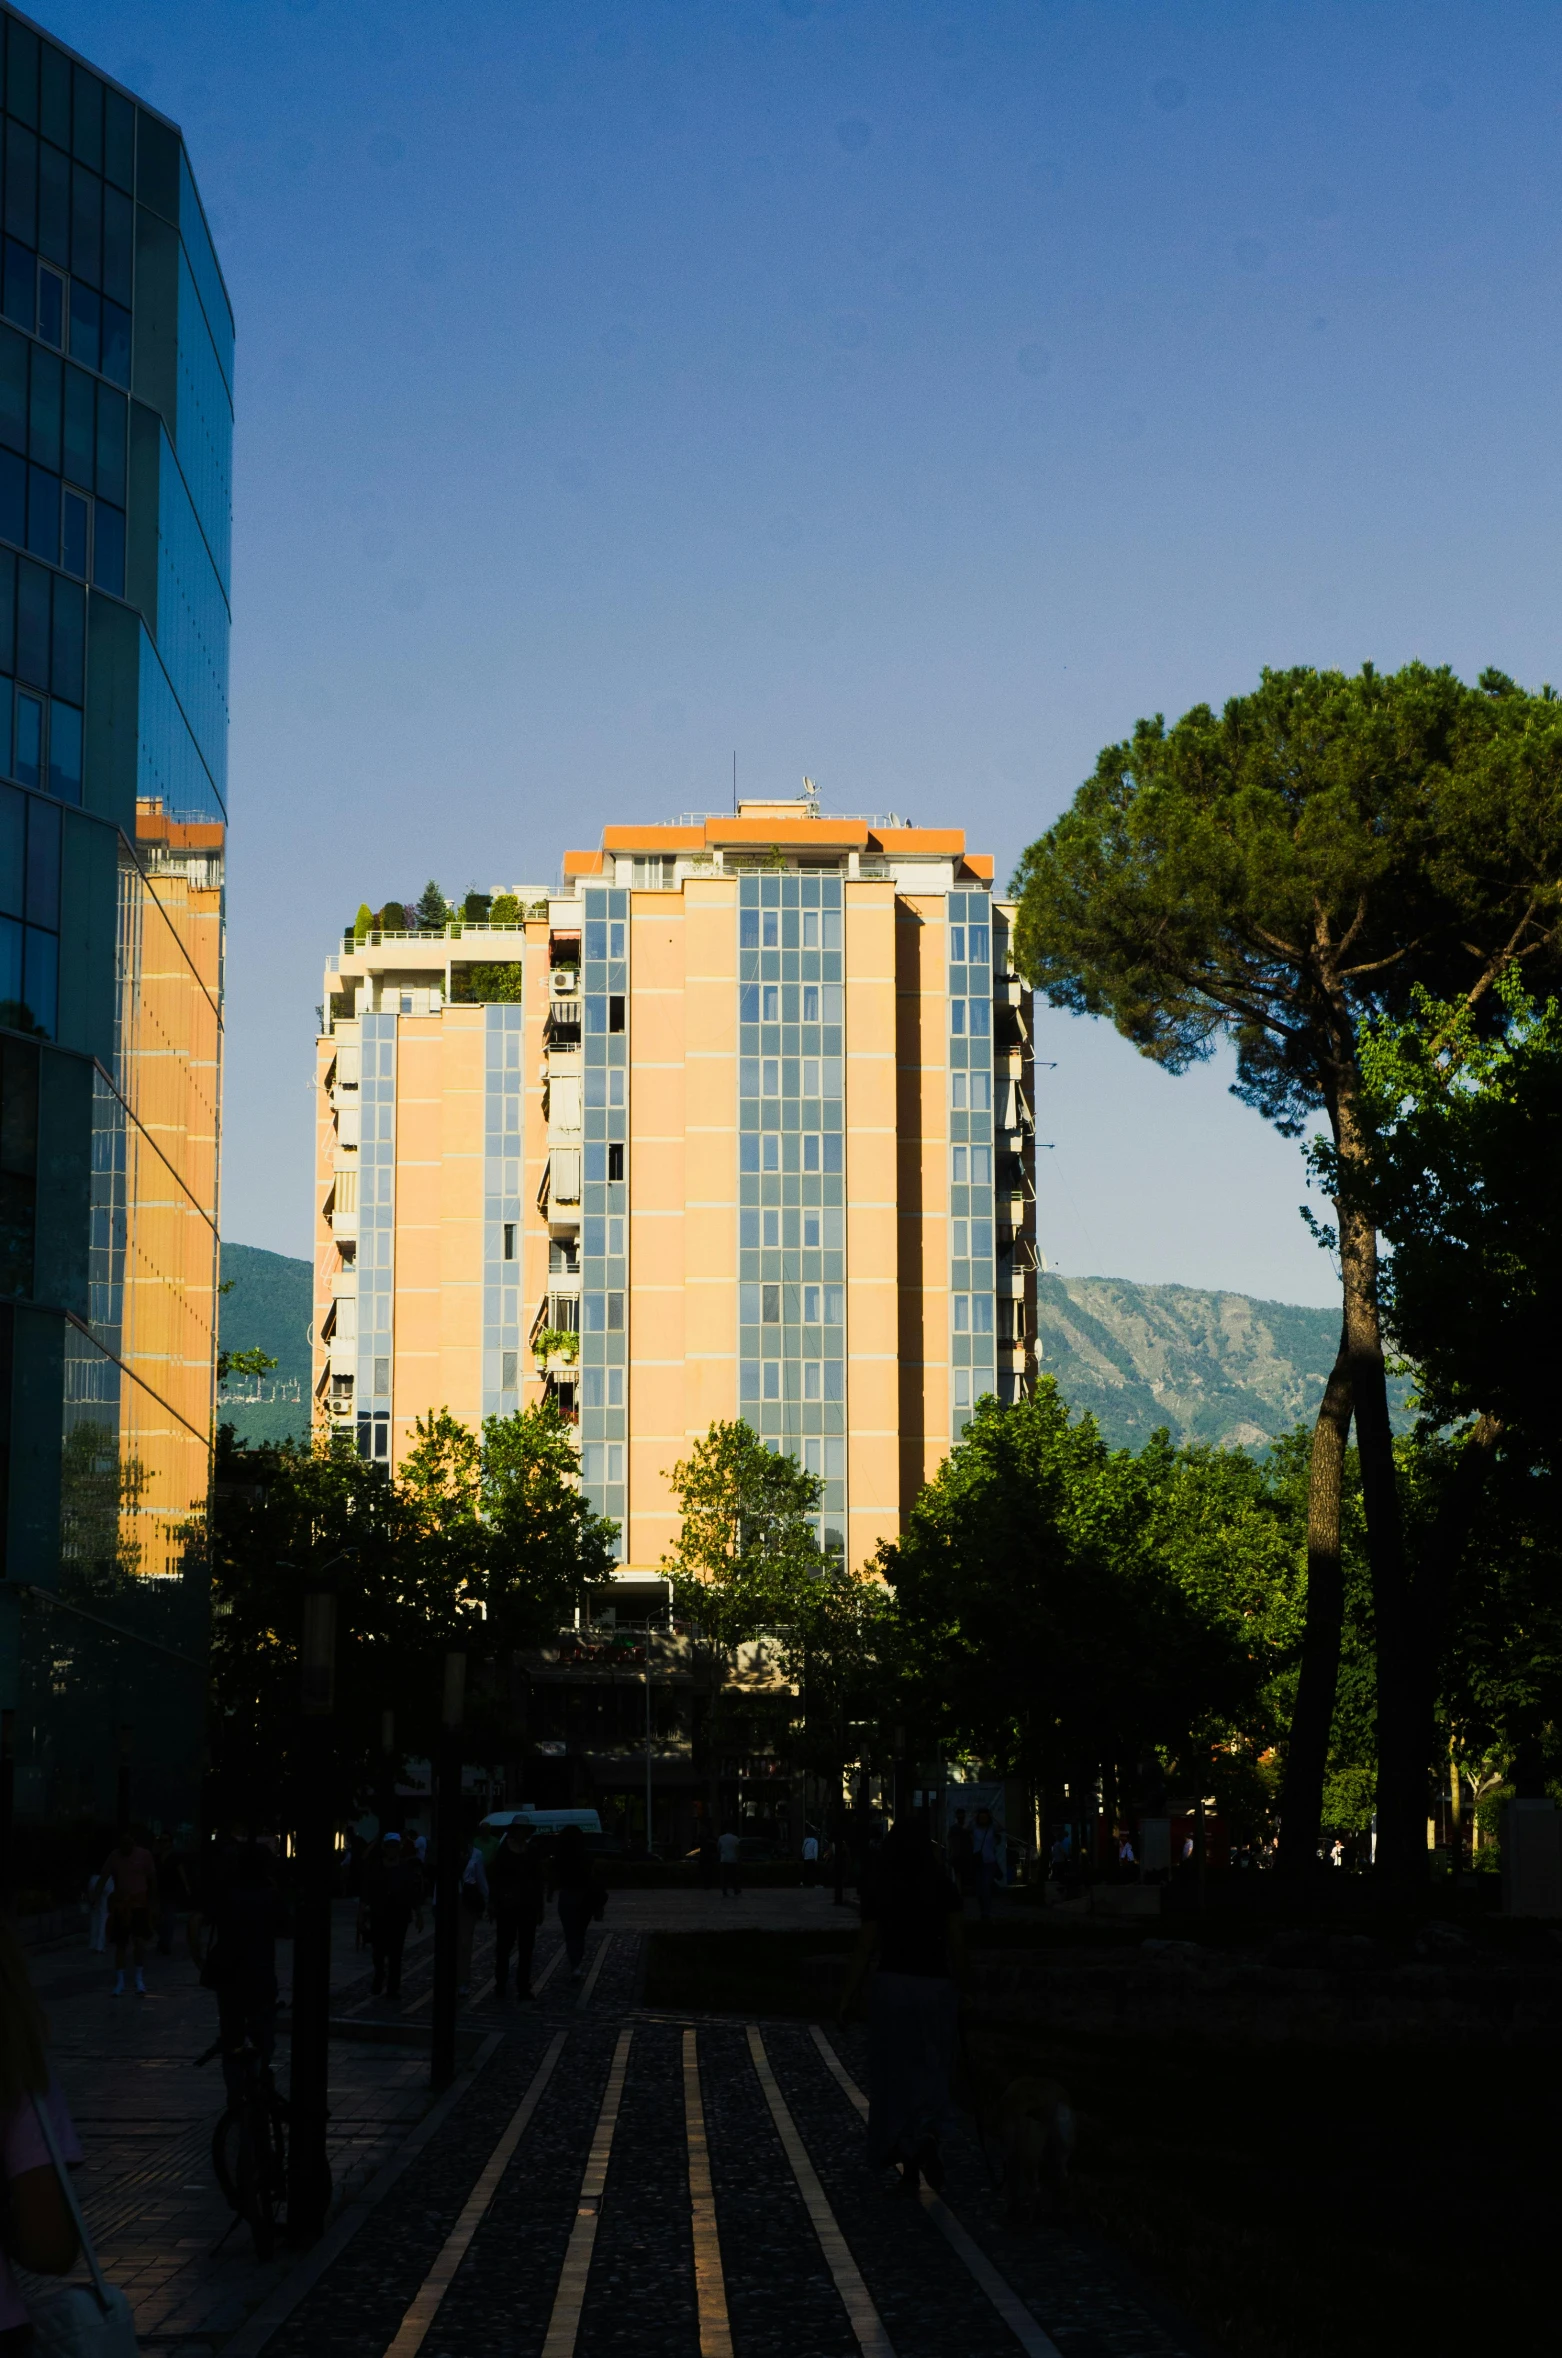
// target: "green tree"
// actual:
[[392, 919], [747, 1555], [1039, 1620], [433, 910], [250, 1363], [476, 906], [1271, 877], [363, 923], [487, 981], [506, 910]]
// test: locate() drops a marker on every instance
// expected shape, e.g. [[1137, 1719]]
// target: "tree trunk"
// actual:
[[1301, 1808], [1456, 1803], [1402, 1758]]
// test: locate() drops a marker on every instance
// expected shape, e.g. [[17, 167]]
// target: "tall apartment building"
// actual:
[[116, 418], [743, 1112]]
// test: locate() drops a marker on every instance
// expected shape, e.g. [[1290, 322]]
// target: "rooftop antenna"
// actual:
[[811, 797], [734, 783]]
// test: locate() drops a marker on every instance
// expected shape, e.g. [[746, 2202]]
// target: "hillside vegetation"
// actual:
[[1213, 1367]]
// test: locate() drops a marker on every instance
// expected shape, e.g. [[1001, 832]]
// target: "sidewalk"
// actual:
[[145, 2117]]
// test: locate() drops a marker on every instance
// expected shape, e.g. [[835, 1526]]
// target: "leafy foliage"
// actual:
[[482, 1543], [1466, 1117]]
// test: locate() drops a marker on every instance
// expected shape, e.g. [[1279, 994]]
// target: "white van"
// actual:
[[540, 1821]]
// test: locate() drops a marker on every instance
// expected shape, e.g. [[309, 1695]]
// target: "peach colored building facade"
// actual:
[[740, 1124]]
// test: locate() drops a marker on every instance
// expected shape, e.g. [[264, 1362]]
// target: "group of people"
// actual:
[[513, 1886]]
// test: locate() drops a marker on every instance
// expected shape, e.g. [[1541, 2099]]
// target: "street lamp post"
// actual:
[[448, 1863], [309, 2172]]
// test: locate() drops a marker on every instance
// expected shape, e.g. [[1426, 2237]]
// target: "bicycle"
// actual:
[[249, 2146]]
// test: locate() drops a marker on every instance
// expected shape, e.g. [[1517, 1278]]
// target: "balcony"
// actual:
[[563, 1023]]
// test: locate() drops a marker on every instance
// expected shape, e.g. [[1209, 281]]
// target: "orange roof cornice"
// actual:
[[932, 843], [790, 834], [578, 863], [653, 839]]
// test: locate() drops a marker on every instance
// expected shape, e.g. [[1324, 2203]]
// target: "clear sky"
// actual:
[[911, 395]]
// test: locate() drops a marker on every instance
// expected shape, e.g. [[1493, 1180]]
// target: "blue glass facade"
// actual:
[[604, 1201], [116, 421], [504, 1092], [792, 1176], [376, 1234], [972, 1319]]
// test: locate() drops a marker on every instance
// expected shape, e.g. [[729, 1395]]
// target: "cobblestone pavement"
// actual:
[[609, 2182]]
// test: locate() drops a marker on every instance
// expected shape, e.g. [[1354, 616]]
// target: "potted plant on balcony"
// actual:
[[555, 1342]]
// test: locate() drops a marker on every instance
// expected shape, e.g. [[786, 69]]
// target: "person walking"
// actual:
[[580, 1895], [727, 1851], [38, 2230], [810, 1860], [913, 1944], [233, 1938], [517, 1887], [987, 1862], [394, 1895], [131, 1871], [471, 1908]]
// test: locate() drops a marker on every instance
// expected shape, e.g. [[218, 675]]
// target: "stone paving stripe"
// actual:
[[1004, 2299], [866, 2322], [709, 2285], [425, 2303], [570, 2299], [279, 2304], [549, 1970], [597, 1963]]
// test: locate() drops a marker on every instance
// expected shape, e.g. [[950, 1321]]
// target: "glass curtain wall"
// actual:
[[792, 1177], [604, 1224], [972, 1342]]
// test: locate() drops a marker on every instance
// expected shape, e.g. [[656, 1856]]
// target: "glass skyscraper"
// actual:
[[116, 428]]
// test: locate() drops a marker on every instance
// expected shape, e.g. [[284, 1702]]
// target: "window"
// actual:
[[962, 1387], [811, 942], [73, 534], [981, 1314], [957, 945], [834, 1305], [813, 1375], [771, 1222], [810, 998], [509, 1240], [51, 308], [957, 1086], [770, 1077], [962, 1304], [381, 1377], [615, 1238], [811, 1150], [770, 1144], [961, 1239], [748, 929], [977, 945], [962, 1159], [981, 1019], [770, 1004], [507, 1370], [615, 1387], [957, 1018], [981, 1240], [615, 1162], [615, 1313], [810, 1232], [615, 1006], [810, 1076], [770, 929], [981, 1165], [770, 1369], [770, 1305], [810, 1305]]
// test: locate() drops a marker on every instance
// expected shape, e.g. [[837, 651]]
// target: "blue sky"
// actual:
[[909, 395]]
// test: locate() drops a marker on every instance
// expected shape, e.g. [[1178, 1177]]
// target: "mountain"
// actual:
[[269, 1307], [1221, 1368], [1211, 1367]]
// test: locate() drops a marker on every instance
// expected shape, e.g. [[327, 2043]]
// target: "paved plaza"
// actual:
[[602, 2178]]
